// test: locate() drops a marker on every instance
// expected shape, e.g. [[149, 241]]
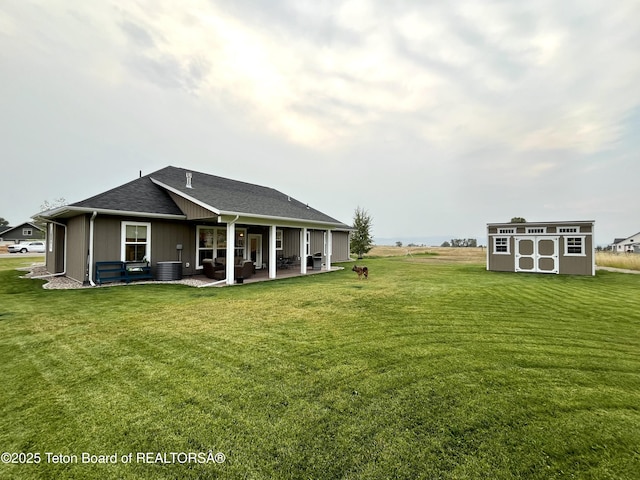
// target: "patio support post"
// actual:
[[272, 251], [303, 251], [329, 250], [231, 248]]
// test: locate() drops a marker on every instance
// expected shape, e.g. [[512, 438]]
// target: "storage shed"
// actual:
[[542, 247]]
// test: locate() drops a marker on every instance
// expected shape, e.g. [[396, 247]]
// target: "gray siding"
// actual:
[[291, 244], [106, 239], [54, 259], [340, 250], [577, 265], [190, 209], [165, 236], [77, 247]]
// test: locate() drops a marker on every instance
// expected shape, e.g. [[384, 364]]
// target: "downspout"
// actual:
[[64, 267], [91, 222], [212, 284]]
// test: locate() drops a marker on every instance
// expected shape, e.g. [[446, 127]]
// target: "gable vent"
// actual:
[[189, 177]]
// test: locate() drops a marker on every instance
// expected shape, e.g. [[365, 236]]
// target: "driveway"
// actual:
[[22, 255]]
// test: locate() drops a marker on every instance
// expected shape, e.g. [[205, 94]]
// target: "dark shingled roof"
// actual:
[[222, 194], [140, 195]]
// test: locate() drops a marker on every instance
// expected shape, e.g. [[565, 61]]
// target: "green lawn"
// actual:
[[427, 370]]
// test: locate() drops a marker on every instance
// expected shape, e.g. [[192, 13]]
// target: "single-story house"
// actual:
[[25, 232], [542, 247], [178, 215], [626, 245]]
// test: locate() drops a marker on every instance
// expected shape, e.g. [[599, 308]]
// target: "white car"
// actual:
[[31, 247]]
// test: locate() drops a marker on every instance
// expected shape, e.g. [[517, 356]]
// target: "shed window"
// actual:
[[536, 230], [27, 232], [506, 230], [501, 245], [136, 242], [568, 229], [574, 246]]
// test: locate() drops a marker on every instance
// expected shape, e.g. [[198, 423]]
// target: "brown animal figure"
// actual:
[[361, 271]]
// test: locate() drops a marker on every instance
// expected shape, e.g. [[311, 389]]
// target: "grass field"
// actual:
[[630, 261], [433, 368]]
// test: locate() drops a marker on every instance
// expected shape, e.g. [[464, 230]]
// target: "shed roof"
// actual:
[[567, 222]]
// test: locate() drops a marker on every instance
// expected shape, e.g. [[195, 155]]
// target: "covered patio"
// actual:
[[39, 271], [262, 275]]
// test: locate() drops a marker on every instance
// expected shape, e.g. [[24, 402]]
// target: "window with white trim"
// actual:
[[501, 245], [279, 240], [212, 243], [240, 244], [506, 230], [51, 237], [136, 242], [27, 232], [574, 246], [534, 230], [568, 229]]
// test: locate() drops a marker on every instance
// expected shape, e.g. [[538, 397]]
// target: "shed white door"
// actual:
[[537, 254]]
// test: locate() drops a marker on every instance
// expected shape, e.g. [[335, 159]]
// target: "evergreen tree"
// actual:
[[361, 239]]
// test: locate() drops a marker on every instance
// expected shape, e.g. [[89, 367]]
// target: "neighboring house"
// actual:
[[181, 215], [627, 245], [22, 233], [542, 247]]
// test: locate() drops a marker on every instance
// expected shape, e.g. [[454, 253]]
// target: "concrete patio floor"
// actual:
[[38, 270], [262, 275]]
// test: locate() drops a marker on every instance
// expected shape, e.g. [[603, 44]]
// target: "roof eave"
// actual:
[[285, 221], [70, 211]]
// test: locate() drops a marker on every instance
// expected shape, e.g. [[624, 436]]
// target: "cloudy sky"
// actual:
[[436, 117]]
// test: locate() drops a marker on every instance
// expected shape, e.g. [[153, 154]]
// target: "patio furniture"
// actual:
[[244, 269], [210, 267], [117, 271]]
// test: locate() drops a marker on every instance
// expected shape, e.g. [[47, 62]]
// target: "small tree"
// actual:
[[398, 244], [3, 222], [518, 220], [47, 205], [361, 239]]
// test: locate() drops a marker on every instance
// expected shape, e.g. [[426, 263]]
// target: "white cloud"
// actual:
[[466, 69], [463, 96]]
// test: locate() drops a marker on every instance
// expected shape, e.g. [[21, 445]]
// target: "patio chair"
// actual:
[[210, 267]]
